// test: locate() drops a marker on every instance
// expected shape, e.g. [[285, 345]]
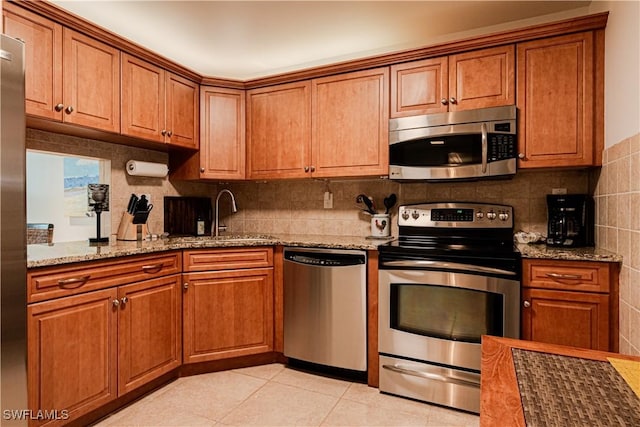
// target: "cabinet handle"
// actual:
[[124, 300], [154, 268], [115, 302], [79, 281], [306, 168], [526, 304], [69, 109], [59, 107], [313, 168], [564, 276], [444, 101], [521, 156], [185, 285], [453, 100]]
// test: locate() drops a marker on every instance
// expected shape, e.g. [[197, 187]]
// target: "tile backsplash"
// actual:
[[617, 197]]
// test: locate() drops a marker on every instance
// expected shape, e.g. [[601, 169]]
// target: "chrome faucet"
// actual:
[[234, 208]]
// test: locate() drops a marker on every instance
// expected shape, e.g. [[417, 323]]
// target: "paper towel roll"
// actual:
[[154, 170]]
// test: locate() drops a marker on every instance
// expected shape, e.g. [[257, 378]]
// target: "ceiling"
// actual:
[[251, 39]]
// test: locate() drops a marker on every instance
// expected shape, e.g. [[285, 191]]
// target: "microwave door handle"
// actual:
[[485, 147]]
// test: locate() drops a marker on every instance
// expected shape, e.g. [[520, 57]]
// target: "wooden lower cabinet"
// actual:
[[85, 350], [227, 313], [573, 303]]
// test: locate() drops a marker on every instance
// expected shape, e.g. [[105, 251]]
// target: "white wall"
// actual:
[[622, 69]]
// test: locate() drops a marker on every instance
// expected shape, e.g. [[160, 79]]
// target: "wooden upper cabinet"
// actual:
[[222, 133], [43, 59], [556, 101], [351, 124], [91, 82], [482, 78], [279, 131], [182, 111], [157, 105], [477, 79], [419, 87], [143, 95]]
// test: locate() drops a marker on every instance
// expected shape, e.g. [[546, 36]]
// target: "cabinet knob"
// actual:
[[202, 170], [169, 133], [69, 109], [453, 100], [124, 300], [185, 285], [59, 107], [526, 304], [115, 302], [163, 132], [444, 101], [521, 156], [313, 168], [306, 168]]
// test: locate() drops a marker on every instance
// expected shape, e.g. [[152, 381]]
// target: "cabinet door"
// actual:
[[556, 102], [222, 143], [149, 331], [43, 59], [279, 131], [143, 94], [91, 82], [72, 351], [182, 111], [577, 319], [227, 314], [482, 78], [419, 87], [351, 124]]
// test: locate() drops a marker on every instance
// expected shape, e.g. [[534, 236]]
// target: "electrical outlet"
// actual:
[[328, 200], [558, 191]]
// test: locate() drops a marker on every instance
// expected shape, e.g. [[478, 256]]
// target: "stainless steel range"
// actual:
[[452, 276]]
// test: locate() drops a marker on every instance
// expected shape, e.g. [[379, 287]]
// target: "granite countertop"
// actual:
[[43, 255], [542, 251]]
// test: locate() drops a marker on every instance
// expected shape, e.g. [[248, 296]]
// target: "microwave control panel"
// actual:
[[501, 146]]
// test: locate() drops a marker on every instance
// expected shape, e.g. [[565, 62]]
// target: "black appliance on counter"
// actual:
[[188, 216], [571, 220]]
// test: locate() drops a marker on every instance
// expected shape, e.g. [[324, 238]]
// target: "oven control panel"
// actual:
[[466, 215]]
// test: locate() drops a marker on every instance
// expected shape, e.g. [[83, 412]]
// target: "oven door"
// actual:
[[440, 316]]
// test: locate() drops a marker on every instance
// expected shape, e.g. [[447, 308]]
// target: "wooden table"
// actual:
[[500, 397]]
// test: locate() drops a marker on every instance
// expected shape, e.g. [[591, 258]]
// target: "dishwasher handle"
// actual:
[[328, 259]]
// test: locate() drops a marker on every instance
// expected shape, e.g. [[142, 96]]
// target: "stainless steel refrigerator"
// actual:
[[13, 248]]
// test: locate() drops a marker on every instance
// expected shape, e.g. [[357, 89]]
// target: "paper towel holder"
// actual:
[[148, 169]]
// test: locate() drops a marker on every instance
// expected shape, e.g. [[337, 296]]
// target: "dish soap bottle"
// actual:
[[200, 226]]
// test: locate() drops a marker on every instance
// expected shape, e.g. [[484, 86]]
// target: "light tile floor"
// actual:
[[275, 395]]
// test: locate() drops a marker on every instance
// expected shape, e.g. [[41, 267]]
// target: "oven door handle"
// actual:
[[485, 147], [430, 375], [451, 265]]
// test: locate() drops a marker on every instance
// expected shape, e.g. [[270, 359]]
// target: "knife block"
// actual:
[[127, 230]]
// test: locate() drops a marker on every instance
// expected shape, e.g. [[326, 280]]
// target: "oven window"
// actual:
[[452, 150], [446, 312]]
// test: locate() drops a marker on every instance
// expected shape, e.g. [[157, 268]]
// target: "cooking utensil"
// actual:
[[133, 201], [390, 202], [367, 201]]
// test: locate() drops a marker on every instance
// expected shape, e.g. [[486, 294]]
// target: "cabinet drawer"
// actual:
[[566, 275], [227, 259], [54, 282]]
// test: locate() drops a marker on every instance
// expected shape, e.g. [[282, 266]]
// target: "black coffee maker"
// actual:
[[570, 220]]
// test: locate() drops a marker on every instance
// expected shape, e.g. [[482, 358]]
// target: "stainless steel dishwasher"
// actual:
[[325, 307]]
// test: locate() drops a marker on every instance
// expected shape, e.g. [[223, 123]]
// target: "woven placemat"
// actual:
[[568, 391]]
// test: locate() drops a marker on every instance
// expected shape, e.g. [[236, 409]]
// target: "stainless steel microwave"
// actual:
[[472, 144]]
